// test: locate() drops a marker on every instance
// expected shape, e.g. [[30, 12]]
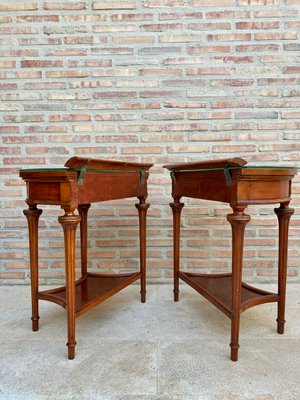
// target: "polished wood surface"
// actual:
[[82, 182], [231, 181]]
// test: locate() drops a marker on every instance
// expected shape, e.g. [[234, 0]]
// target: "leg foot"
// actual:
[[143, 297], [234, 352], [280, 326], [176, 295], [35, 323], [71, 350]]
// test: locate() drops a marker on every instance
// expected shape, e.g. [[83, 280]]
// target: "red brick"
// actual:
[[12, 275], [156, 71], [235, 148], [159, 50], [228, 14], [24, 160], [258, 25], [79, 40], [115, 4], [275, 13], [9, 129], [7, 86], [208, 49], [291, 70], [211, 115], [69, 138], [180, 16], [133, 17], [257, 47], [10, 150], [276, 36], [229, 37], [212, 3], [161, 27], [11, 30], [7, 64], [67, 74], [45, 85], [163, 3], [142, 150], [208, 71], [69, 117], [23, 118], [22, 139], [26, 6], [232, 82], [112, 95], [67, 52], [209, 26], [235, 59], [65, 5], [257, 2], [37, 18]]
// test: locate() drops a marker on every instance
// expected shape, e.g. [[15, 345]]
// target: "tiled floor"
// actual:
[[159, 350]]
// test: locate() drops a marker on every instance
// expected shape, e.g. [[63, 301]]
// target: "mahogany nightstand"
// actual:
[[231, 181], [82, 182]]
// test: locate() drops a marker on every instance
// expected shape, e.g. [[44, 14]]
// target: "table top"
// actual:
[[231, 181], [78, 164], [86, 180], [215, 165]]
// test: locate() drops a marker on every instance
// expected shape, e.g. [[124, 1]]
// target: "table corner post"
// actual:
[[238, 220], [284, 213], [83, 212], [176, 207], [32, 214], [142, 208], [69, 222]]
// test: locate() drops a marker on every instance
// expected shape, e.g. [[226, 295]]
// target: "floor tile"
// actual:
[[203, 367], [111, 367], [159, 350]]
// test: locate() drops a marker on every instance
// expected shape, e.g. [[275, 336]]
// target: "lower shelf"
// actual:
[[91, 290], [217, 288]]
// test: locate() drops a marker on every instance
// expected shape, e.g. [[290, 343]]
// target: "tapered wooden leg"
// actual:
[[33, 214], [284, 214], [83, 212], [69, 223], [142, 209], [176, 209], [238, 221]]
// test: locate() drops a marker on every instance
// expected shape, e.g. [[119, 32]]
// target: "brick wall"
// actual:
[[152, 81]]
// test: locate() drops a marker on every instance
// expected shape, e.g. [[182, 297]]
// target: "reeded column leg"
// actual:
[[176, 209], [69, 223], [33, 214], [238, 221], [142, 209], [83, 212], [284, 214]]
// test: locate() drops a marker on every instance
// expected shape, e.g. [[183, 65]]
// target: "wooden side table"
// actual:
[[231, 181], [82, 182]]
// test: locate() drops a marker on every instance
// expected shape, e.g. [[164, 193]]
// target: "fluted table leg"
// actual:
[[284, 214], [33, 214], [142, 209], [83, 212], [176, 209], [238, 221], [69, 223]]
